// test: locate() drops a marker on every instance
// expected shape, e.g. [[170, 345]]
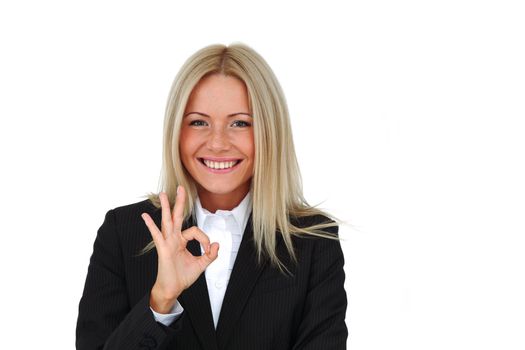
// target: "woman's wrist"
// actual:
[[160, 302]]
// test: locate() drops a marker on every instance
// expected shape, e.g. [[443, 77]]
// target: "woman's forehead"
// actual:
[[219, 92]]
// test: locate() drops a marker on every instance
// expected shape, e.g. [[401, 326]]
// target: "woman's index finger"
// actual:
[[178, 208]]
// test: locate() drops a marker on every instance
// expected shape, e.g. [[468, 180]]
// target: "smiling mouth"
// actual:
[[219, 165]]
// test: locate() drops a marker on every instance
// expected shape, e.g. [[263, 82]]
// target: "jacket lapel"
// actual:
[[196, 301], [244, 275]]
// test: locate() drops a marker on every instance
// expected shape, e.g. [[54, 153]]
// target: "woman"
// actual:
[[228, 255]]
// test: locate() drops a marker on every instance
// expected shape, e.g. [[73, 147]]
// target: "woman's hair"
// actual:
[[276, 185]]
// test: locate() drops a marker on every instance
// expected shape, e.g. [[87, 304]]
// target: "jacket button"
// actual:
[[148, 342]]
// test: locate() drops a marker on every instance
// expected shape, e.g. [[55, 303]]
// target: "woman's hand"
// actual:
[[177, 267]]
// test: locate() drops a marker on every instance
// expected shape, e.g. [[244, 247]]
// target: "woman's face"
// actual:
[[216, 141]]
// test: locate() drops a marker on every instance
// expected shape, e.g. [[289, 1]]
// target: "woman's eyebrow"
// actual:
[[229, 115]]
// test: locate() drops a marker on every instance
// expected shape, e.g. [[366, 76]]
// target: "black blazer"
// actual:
[[262, 309]]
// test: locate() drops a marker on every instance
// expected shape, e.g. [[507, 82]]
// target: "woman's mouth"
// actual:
[[220, 167]]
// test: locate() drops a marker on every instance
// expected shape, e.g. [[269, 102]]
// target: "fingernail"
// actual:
[[178, 186]]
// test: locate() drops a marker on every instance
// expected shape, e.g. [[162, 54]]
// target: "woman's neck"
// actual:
[[227, 201]]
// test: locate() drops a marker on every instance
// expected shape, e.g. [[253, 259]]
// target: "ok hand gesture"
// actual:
[[177, 267]]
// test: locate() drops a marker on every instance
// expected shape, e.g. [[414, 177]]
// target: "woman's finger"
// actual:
[[209, 257], [153, 229], [178, 209], [166, 224], [195, 233]]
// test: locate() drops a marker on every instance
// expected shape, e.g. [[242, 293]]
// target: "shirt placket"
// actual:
[[217, 272]]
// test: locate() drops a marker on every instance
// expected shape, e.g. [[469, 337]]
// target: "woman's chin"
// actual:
[[218, 190]]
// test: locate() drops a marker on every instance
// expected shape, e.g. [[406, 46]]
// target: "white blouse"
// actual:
[[227, 228]]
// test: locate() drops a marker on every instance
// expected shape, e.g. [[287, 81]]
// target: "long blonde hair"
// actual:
[[277, 194]]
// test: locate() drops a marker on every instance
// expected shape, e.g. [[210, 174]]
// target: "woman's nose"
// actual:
[[218, 140]]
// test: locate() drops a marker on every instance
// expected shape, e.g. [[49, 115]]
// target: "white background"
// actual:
[[408, 119]]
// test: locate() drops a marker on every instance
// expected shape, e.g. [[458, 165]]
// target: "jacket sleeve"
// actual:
[[106, 320], [323, 323]]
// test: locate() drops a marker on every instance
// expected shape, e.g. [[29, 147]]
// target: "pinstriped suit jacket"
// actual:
[[262, 309]]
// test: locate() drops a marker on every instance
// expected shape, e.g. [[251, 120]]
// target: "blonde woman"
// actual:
[[228, 255]]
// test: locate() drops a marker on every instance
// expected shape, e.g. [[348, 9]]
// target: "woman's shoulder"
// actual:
[[313, 220], [322, 237], [133, 210], [124, 227], [126, 218], [321, 233]]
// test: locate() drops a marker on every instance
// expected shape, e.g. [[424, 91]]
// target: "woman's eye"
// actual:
[[198, 122], [241, 123], [237, 123]]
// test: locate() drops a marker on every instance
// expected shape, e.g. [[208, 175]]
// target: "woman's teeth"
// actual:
[[219, 165]]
